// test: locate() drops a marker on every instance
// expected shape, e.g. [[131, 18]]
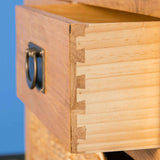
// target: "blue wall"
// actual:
[[11, 109]]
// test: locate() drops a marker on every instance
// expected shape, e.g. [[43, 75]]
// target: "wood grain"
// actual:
[[102, 79], [75, 56], [120, 87], [150, 154], [53, 107], [92, 14], [45, 2], [43, 145], [147, 7]]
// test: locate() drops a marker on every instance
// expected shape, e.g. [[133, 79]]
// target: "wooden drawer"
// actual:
[[101, 75]]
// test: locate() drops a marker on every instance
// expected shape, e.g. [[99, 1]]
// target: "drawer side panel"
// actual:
[[120, 87]]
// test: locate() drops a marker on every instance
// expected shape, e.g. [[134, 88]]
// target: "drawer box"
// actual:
[[101, 75]]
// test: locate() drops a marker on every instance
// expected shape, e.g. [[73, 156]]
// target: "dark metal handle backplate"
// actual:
[[37, 54]]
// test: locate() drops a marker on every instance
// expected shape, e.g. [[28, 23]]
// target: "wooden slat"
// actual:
[[122, 126], [123, 105], [127, 145], [121, 54], [143, 35], [117, 116], [130, 81], [116, 95], [94, 28], [119, 69], [113, 137]]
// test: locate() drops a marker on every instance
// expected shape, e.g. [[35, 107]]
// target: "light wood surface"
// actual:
[[42, 145], [45, 2], [53, 107], [76, 108], [150, 154], [102, 80], [91, 14], [147, 7], [121, 93]]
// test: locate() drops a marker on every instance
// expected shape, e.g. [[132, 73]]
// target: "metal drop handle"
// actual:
[[31, 52], [38, 80]]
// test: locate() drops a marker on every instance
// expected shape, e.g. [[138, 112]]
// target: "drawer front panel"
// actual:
[[53, 107]]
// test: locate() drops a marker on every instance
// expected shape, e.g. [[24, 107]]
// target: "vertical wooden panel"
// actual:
[[42, 145], [53, 107]]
